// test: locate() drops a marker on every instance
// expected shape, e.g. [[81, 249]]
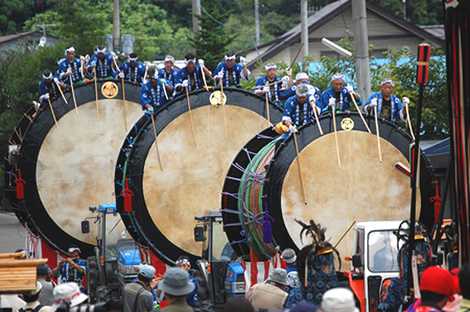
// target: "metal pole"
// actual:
[[304, 26], [196, 15], [361, 44], [116, 25], [257, 27]]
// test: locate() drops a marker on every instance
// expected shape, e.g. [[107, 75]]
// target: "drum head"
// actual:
[[362, 189], [195, 149], [70, 167]]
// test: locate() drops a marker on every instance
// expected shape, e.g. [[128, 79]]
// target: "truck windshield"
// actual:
[[382, 251]]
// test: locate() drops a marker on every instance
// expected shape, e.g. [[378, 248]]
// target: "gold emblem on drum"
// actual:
[[347, 124], [109, 89], [218, 98]]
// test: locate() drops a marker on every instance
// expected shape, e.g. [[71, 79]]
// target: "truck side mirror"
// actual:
[[85, 227], [356, 261]]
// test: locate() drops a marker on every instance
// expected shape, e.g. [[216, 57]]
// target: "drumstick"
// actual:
[[299, 166], [223, 99], [156, 144], [379, 147], [359, 111], [315, 113], [336, 136], [61, 92], [190, 115], [268, 115], [52, 111], [123, 87], [73, 94], [204, 78], [344, 234], [408, 119], [96, 94]]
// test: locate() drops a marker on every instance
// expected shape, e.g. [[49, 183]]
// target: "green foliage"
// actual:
[[13, 13]]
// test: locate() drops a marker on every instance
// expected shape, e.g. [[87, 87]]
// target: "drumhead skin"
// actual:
[[363, 189], [196, 150], [70, 167]]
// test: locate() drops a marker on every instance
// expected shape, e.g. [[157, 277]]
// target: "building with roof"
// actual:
[[334, 22], [30, 39]]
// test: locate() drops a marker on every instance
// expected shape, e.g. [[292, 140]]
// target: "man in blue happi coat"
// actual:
[[190, 76], [338, 95], [48, 88], [271, 85], [230, 72], [70, 67], [154, 93], [298, 109], [168, 72], [389, 106], [132, 70], [104, 64], [313, 92]]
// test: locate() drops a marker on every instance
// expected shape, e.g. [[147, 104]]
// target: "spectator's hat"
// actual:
[[68, 292], [437, 280], [288, 255], [176, 282], [338, 300], [147, 271], [279, 276]]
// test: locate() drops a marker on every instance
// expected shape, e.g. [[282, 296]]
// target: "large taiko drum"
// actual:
[[69, 167], [184, 179], [269, 189]]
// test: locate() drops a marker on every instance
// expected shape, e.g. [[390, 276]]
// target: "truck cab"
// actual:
[[374, 261]]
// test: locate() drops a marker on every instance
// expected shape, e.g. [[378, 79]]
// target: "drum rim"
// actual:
[[166, 250], [47, 228], [273, 191]]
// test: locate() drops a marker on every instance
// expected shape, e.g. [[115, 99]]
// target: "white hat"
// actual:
[[387, 81], [288, 255], [270, 66], [68, 292], [302, 76], [338, 300], [73, 249], [338, 77], [169, 58], [69, 50]]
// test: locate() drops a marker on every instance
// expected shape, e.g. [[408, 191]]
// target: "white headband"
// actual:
[[270, 66], [387, 81], [337, 77], [47, 77], [169, 58], [98, 50], [230, 57], [186, 62], [70, 50]]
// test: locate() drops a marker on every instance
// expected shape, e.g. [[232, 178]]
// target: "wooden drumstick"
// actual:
[[377, 131], [73, 94], [224, 100], [315, 113], [336, 137], [61, 92], [204, 78], [52, 111], [96, 93], [190, 115], [123, 87], [299, 166], [408, 119], [154, 125], [359, 111], [268, 114]]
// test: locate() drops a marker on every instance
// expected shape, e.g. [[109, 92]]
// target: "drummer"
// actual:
[[338, 95], [190, 76], [70, 67], [298, 109], [303, 78], [231, 72], [133, 70], [271, 85], [154, 92], [169, 71], [103, 62], [48, 88], [389, 106]]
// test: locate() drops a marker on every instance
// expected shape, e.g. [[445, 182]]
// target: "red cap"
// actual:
[[437, 280]]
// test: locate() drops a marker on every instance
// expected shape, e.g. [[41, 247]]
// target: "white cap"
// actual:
[[169, 58], [68, 292], [302, 76], [69, 50], [338, 77], [338, 300]]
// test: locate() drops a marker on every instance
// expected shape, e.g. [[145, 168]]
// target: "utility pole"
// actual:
[[304, 27], [196, 16], [257, 27], [404, 10], [361, 46], [116, 25]]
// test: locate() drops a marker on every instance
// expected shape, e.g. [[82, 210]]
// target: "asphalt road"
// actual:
[[12, 233]]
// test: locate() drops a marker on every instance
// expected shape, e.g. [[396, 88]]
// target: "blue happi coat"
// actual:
[[51, 89], [75, 65], [276, 94], [396, 111], [133, 73], [194, 79], [170, 76], [104, 68], [152, 95], [299, 114], [343, 103], [231, 77], [313, 93]]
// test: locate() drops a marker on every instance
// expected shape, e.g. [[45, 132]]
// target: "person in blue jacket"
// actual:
[[104, 64], [272, 85], [190, 76], [70, 67], [298, 109], [132, 70], [168, 72], [338, 95], [153, 93], [389, 106], [230, 72], [48, 88], [313, 92]]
